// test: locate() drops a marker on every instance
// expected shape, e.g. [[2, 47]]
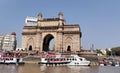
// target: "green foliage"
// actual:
[[116, 51], [108, 52], [99, 51]]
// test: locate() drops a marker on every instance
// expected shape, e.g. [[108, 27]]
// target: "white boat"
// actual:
[[76, 60], [10, 59], [53, 59], [64, 59]]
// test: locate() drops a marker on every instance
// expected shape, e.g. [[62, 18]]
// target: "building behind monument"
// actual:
[[8, 42]]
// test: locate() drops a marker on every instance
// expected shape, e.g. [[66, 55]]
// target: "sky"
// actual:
[[99, 20]]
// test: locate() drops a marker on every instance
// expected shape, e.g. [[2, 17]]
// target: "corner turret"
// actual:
[[39, 16], [60, 15]]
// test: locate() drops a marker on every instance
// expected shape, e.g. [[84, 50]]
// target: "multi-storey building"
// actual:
[[8, 42]]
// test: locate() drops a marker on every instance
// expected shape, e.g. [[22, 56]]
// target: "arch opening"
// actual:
[[69, 48], [52, 45], [48, 42], [30, 48]]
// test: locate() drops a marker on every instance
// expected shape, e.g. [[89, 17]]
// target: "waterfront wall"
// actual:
[[94, 60]]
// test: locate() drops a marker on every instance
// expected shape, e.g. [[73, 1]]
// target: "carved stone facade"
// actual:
[[38, 32]]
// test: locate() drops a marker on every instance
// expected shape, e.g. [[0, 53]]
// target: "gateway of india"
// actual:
[[38, 32]]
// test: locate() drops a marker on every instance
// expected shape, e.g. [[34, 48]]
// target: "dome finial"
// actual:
[[40, 16], [60, 15]]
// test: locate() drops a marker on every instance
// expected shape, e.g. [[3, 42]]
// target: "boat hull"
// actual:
[[53, 62], [9, 60], [19, 63], [65, 59]]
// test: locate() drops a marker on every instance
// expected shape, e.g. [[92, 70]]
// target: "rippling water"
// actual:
[[35, 68]]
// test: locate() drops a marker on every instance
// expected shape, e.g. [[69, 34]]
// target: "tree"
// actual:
[[108, 52], [99, 52], [116, 51]]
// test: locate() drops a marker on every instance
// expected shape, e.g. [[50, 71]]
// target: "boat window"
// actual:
[[45, 59], [80, 59], [67, 59], [11, 58], [7, 59], [51, 59], [73, 59]]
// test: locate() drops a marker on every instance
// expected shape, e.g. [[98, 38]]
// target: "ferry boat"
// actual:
[[76, 60], [10, 59], [65, 60]]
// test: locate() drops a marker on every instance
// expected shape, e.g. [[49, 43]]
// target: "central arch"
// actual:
[[46, 42]]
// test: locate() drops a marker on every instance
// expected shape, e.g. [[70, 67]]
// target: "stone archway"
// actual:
[[30, 44], [46, 42], [42, 30], [69, 44]]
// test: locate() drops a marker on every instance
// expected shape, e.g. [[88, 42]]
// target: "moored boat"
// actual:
[[53, 59], [109, 62], [64, 59], [77, 60], [10, 58], [115, 63]]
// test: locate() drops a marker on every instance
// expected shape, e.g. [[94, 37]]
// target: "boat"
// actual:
[[10, 58], [77, 60], [115, 63], [64, 60], [109, 62], [53, 59]]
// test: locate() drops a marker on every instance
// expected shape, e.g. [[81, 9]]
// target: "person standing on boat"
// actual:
[[18, 57]]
